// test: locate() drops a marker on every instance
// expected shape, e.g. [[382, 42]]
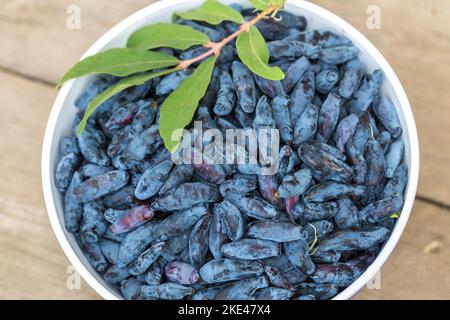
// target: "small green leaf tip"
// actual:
[[264, 4], [280, 4], [395, 215]]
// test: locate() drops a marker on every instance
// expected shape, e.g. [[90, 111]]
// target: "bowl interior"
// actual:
[[64, 110]]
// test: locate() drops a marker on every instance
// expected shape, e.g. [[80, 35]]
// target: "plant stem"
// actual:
[[216, 47]]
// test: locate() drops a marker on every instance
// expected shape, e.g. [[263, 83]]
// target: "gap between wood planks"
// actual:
[[433, 202], [27, 77], [419, 197]]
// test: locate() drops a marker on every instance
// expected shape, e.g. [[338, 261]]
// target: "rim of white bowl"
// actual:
[[389, 246]]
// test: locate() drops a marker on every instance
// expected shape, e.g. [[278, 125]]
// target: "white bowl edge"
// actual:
[[393, 88]]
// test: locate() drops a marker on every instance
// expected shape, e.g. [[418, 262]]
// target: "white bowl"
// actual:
[[63, 112]]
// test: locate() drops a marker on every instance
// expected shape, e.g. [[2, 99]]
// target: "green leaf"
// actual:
[[278, 3], [213, 12], [264, 4], [120, 62], [260, 4], [120, 86], [166, 35], [178, 109], [253, 51]]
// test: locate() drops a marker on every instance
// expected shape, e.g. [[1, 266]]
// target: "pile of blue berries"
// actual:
[[155, 230]]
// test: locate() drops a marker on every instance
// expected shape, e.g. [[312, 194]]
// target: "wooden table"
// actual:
[[36, 49]]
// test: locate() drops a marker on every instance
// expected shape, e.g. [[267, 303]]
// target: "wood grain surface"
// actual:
[[37, 48]]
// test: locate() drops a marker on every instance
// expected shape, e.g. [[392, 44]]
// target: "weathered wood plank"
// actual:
[[37, 41], [33, 265]]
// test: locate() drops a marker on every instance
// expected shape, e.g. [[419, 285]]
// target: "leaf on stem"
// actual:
[[166, 35], [260, 4], [179, 108], [264, 4], [253, 51], [213, 12], [278, 3], [120, 62], [120, 86]]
